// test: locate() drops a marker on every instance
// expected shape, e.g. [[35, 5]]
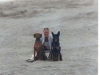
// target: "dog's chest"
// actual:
[[55, 46], [37, 45]]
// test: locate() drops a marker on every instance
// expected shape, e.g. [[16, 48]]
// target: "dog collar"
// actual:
[[37, 40]]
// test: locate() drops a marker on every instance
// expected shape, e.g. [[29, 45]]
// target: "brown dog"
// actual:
[[38, 48]]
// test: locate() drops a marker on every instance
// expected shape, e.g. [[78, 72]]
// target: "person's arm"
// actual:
[[51, 38], [41, 39]]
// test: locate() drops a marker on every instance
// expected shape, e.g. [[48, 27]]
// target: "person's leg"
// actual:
[[45, 48], [47, 52]]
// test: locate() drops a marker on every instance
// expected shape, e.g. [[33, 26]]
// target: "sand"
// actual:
[[77, 21]]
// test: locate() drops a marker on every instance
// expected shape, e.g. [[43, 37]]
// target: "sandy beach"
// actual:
[[77, 21]]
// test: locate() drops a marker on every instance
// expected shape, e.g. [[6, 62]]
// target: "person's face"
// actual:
[[46, 33]]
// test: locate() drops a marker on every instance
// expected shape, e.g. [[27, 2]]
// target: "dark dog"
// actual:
[[38, 48], [55, 51]]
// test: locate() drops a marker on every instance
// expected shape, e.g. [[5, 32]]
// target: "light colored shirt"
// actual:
[[47, 44]]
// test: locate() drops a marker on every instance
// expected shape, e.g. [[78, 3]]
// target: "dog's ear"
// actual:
[[34, 35], [58, 33], [40, 35], [52, 34]]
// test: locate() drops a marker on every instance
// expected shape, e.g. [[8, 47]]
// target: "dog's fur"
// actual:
[[39, 53], [55, 51]]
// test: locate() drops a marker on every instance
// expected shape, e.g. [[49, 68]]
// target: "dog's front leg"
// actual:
[[34, 55], [52, 56], [58, 57]]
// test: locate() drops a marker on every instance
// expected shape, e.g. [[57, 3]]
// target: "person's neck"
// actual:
[[46, 37]]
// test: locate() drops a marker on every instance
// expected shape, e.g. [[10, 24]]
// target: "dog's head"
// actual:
[[56, 36], [37, 35]]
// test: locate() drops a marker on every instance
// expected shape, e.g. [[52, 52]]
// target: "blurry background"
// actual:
[[77, 20]]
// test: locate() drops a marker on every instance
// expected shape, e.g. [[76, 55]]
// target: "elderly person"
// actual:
[[46, 40]]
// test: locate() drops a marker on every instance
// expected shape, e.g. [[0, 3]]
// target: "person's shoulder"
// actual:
[[50, 35], [42, 36]]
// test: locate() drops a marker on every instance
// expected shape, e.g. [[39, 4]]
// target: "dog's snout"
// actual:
[[56, 39]]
